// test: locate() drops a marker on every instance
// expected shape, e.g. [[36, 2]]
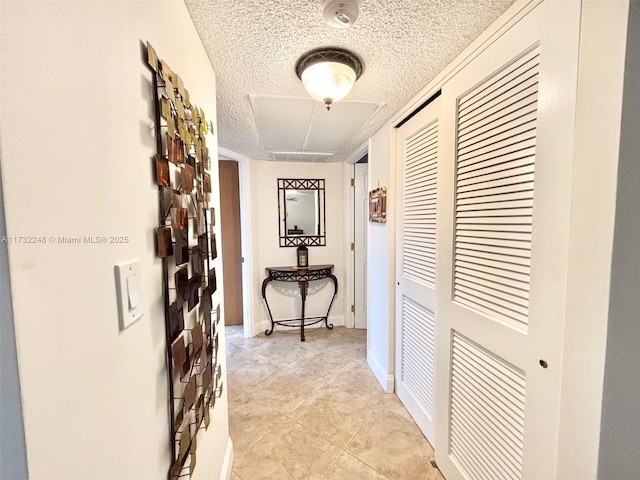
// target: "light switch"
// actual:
[[132, 291], [130, 305]]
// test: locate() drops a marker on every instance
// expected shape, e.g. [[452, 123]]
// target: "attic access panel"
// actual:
[[293, 124]]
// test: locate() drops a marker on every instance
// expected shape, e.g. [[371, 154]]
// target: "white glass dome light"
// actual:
[[328, 74], [328, 81]]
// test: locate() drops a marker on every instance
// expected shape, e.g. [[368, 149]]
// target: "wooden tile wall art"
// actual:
[[187, 246]]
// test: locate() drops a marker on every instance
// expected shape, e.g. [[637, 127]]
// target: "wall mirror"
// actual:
[[301, 211]]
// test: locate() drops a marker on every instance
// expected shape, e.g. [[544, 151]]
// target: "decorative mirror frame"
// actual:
[[284, 184]]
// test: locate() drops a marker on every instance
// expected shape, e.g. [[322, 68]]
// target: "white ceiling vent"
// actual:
[[318, 157]]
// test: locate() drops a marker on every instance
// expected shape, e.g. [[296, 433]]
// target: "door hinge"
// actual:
[[353, 309], [353, 246], [353, 182]]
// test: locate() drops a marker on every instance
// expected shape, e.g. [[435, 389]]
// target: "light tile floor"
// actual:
[[314, 410]]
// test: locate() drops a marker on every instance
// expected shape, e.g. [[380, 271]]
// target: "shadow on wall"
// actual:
[[13, 451]]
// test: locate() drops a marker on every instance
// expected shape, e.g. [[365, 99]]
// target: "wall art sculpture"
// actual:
[[187, 246]]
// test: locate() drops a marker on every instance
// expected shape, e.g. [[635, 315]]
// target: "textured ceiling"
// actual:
[[253, 46]]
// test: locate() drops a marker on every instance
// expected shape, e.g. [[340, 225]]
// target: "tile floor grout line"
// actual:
[[342, 352], [332, 465], [371, 467], [354, 455], [358, 431], [263, 436], [317, 433]]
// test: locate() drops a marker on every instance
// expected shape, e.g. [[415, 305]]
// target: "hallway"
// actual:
[[314, 410]]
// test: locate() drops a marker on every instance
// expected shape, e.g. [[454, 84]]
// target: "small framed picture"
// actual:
[[378, 205]]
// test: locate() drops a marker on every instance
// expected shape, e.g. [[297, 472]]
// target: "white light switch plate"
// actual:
[[130, 304]]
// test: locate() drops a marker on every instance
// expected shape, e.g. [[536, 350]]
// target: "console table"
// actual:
[[303, 276]]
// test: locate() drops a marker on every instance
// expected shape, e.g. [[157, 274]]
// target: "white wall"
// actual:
[[381, 262], [77, 143], [593, 210], [284, 299], [620, 425]]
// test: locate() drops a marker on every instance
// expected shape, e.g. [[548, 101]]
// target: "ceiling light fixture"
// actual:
[[328, 74]]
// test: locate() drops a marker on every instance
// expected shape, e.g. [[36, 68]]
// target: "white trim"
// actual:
[[387, 381], [244, 179], [337, 320], [594, 189], [358, 153], [231, 155], [260, 327], [509, 18], [349, 237], [227, 465]]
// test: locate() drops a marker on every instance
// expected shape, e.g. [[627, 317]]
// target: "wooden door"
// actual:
[[231, 241], [416, 291], [507, 122]]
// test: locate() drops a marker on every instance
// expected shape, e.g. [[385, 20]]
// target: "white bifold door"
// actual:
[[484, 183], [507, 127], [417, 154]]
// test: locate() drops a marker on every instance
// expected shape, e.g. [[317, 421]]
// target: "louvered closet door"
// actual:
[[507, 129], [417, 153]]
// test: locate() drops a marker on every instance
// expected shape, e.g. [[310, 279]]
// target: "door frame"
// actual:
[[356, 219], [244, 178], [349, 218]]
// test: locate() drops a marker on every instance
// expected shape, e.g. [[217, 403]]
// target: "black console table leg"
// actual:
[[264, 296], [335, 292], [303, 293]]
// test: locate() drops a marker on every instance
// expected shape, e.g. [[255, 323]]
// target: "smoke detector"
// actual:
[[340, 13]]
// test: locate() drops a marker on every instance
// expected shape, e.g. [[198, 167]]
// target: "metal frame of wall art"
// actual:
[[187, 247]]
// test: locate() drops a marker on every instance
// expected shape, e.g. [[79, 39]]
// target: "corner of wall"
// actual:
[[593, 197], [381, 253], [227, 465], [387, 381], [620, 423]]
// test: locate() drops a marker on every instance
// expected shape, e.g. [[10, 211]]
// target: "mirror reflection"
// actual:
[[301, 208], [303, 212]]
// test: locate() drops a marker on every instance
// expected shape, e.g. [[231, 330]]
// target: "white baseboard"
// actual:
[[227, 466], [337, 320], [386, 380], [260, 327]]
